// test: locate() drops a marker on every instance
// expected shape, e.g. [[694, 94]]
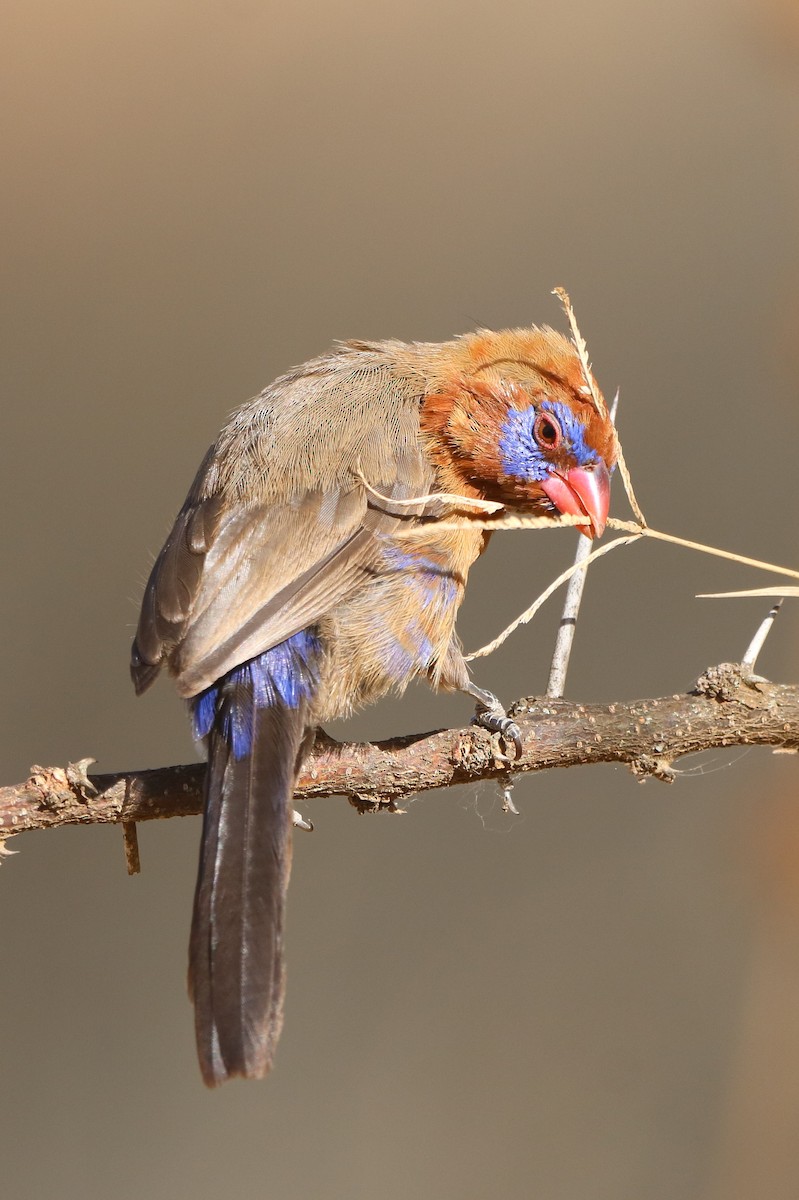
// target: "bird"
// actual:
[[309, 572]]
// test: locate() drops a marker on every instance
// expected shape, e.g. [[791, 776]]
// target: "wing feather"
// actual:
[[276, 530]]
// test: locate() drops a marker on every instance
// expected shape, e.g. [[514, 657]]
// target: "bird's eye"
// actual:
[[546, 431]]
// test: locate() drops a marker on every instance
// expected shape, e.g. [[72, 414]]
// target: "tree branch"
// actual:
[[726, 708]]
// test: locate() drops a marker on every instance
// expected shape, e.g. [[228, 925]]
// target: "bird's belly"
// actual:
[[399, 624]]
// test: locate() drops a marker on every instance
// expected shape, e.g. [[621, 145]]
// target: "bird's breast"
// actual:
[[399, 623]]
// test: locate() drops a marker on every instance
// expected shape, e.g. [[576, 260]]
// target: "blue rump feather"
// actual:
[[287, 674]]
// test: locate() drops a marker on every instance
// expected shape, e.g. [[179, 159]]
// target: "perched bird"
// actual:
[[289, 593]]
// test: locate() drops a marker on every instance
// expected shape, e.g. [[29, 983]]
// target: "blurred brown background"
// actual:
[[600, 998]]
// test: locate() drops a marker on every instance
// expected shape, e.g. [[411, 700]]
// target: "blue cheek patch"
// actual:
[[520, 455], [287, 674]]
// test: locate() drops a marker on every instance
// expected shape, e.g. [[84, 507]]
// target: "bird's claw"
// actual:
[[494, 718]]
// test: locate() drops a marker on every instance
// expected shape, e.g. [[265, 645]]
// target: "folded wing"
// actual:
[[277, 529]]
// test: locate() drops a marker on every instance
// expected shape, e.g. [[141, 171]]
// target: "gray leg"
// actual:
[[492, 716], [454, 675]]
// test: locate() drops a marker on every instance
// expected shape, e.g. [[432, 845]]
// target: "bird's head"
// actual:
[[518, 424]]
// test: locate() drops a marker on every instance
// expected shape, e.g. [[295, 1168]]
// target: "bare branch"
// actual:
[[725, 709]]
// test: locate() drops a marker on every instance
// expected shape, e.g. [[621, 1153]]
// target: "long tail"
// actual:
[[236, 967]]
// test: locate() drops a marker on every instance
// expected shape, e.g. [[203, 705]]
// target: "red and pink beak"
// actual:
[[582, 492]]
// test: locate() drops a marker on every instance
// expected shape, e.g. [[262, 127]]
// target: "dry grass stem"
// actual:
[[599, 404], [635, 533], [648, 531], [449, 499], [509, 521], [787, 590], [582, 351], [553, 587]]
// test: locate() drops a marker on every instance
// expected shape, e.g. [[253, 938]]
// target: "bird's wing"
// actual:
[[277, 529]]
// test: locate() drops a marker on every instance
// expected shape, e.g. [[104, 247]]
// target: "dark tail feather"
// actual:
[[236, 970]]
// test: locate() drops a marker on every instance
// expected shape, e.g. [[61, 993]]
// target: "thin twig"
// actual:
[[130, 838], [556, 685], [756, 645]]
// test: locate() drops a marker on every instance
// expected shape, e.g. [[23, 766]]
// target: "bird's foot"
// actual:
[[492, 716], [301, 822]]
